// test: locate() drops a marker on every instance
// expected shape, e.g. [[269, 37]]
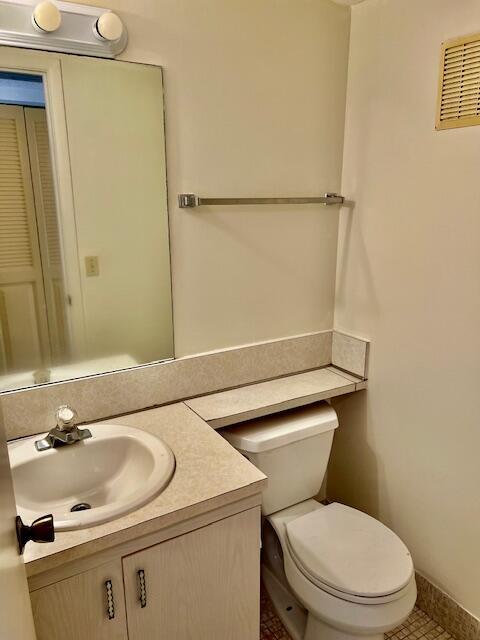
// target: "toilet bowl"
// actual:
[[347, 603], [332, 572]]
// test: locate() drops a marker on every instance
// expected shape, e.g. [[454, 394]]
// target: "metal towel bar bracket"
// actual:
[[190, 200]]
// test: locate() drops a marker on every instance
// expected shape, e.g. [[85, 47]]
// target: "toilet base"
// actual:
[[300, 624], [318, 630], [287, 607], [326, 616]]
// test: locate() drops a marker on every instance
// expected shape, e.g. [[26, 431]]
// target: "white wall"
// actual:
[[255, 99], [408, 277], [16, 621]]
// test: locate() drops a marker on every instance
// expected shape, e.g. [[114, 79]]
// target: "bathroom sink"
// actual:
[[91, 482]]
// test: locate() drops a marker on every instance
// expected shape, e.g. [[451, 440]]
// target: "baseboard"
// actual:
[[443, 609]]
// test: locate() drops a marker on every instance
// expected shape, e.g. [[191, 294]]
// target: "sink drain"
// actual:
[[81, 506]]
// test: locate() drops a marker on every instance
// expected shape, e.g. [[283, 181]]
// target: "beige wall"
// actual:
[[254, 106], [408, 277]]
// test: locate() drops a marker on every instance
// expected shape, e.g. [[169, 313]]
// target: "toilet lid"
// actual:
[[350, 552]]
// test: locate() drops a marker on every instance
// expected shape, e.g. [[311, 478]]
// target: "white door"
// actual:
[[16, 621], [24, 326], [48, 231]]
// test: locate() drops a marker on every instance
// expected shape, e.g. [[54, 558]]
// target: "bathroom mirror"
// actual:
[[85, 283]]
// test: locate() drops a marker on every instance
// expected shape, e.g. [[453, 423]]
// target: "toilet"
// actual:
[[332, 572]]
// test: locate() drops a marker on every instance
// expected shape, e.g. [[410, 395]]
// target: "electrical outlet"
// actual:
[[91, 266]]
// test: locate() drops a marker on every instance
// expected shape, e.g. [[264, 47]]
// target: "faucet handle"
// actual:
[[66, 418]]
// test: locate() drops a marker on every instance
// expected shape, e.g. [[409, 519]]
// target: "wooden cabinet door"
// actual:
[[203, 585], [78, 608]]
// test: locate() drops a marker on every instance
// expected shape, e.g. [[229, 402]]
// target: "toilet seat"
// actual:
[[350, 555]]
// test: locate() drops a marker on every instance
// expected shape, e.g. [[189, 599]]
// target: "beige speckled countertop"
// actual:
[[264, 398], [209, 474]]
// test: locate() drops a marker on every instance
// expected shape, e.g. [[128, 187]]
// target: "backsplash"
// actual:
[[98, 397]]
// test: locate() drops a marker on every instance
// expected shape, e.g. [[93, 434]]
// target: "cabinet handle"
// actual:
[[143, 588], [110, 600]]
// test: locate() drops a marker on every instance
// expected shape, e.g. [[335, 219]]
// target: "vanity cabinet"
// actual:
[[197, 586]]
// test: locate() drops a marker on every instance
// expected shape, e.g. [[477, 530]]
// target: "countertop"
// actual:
[[209, 474], [264, 398]]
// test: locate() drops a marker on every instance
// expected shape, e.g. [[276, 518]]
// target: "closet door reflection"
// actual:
[[32, 309], [48, 232]]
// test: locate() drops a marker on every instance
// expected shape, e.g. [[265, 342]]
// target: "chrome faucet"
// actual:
[[66, 431]]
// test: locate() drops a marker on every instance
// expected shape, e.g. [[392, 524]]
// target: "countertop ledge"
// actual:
[[209, 474], [264, 398]]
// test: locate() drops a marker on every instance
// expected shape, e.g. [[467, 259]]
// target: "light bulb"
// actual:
[[46, 16], [109, 26]]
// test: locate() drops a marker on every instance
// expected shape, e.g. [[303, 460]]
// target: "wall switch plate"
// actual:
[[91, 266]]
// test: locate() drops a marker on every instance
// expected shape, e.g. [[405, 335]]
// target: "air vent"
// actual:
[[459, 95]]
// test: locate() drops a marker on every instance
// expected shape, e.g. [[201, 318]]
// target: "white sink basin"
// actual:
[[115, 471]]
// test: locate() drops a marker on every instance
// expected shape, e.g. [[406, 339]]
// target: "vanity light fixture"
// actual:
[[46, 16], [53, 25]]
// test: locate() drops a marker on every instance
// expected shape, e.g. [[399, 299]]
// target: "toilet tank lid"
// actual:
[[278, 430]]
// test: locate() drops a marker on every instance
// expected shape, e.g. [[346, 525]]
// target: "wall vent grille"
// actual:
[[459, 94]]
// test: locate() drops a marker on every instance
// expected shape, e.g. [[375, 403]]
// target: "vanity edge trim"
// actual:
[[91, 561], [132, 539]]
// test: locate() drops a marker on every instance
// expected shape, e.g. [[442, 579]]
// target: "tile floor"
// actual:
[[271, 627], [418, 626]]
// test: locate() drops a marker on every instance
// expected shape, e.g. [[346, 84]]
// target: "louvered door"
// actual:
[[48, 230], [24, 331]]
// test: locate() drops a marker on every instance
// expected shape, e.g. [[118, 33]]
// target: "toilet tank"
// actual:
[[292, 449]]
